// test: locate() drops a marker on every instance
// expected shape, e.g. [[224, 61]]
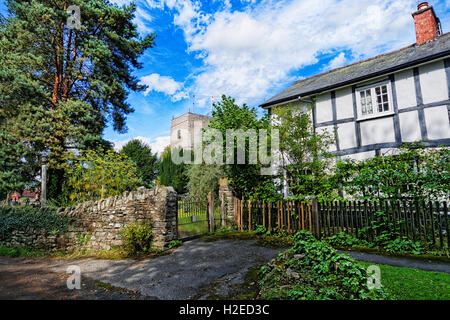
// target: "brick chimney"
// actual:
[[428, 26]]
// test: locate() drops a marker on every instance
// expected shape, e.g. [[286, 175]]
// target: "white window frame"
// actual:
[[372, 88]]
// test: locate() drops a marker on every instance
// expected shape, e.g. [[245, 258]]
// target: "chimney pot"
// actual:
[[422, 5]]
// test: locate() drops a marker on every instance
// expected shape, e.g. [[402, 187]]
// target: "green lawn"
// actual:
[[413, 284]]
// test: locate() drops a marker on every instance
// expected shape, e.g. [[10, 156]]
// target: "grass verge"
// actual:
[[432, 257], [23, 252], [413, 284], [113, 254]]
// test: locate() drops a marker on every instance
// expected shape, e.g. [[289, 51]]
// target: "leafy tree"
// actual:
[[145, 161], [13, 174], [414, 173], [97, 175], [306, 161], [171, 174], [245, 179], [203, 179], [58, 86]]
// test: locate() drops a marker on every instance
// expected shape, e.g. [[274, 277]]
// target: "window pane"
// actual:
[[363, 103], [369, 102], [382, 98], [377, 90], [374, 100]]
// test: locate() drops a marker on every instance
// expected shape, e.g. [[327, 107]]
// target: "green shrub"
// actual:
[[402, 245], [260, 230], [415, 172], [137, 237], [382, 233], [345, 240], [94, 175], [304, 235], [31, 218], [83, 240], [175, 244], [313, 270], [224, 229]]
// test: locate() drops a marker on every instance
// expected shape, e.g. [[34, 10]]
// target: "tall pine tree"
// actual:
[[60, 86]]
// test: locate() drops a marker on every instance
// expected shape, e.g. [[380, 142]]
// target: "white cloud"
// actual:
[[157, 144], [248, 53], [164, 84], [338, 61], [142, 20], [180, 95], [252, 53]]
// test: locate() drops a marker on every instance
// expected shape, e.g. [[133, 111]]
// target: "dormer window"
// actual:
[[374, 100]]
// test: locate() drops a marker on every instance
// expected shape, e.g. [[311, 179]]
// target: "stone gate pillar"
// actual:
[[226, 194]]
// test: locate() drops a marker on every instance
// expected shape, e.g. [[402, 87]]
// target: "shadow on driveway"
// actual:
[[180, 275]]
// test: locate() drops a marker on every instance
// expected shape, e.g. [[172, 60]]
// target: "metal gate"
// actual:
[[192, 217], [195, 217]]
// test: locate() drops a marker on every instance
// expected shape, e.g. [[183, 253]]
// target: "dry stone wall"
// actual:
[[32, 238], [97, 224]]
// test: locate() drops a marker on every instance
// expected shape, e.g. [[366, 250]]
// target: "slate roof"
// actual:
[[383, 64]]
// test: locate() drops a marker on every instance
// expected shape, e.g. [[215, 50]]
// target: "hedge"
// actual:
[[29, 218]]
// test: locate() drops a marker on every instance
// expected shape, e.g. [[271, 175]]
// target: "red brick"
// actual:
[[426, 22]]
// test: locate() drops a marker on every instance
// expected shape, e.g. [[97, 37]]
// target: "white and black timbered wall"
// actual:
[[419, 111]]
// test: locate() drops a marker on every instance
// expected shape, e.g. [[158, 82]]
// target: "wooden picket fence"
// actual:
[[287, 216], [427, 222]]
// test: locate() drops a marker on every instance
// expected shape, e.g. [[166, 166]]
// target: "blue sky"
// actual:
[[251, 50]]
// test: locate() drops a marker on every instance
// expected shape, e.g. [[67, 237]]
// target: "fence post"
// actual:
[[269, 216], [211, 212], [178, 210], [249, 216], [315, 214], [242, 214], [43, 185], [264, 214], [222, 211]]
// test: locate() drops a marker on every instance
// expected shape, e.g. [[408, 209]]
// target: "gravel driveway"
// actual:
[[184, 274]]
